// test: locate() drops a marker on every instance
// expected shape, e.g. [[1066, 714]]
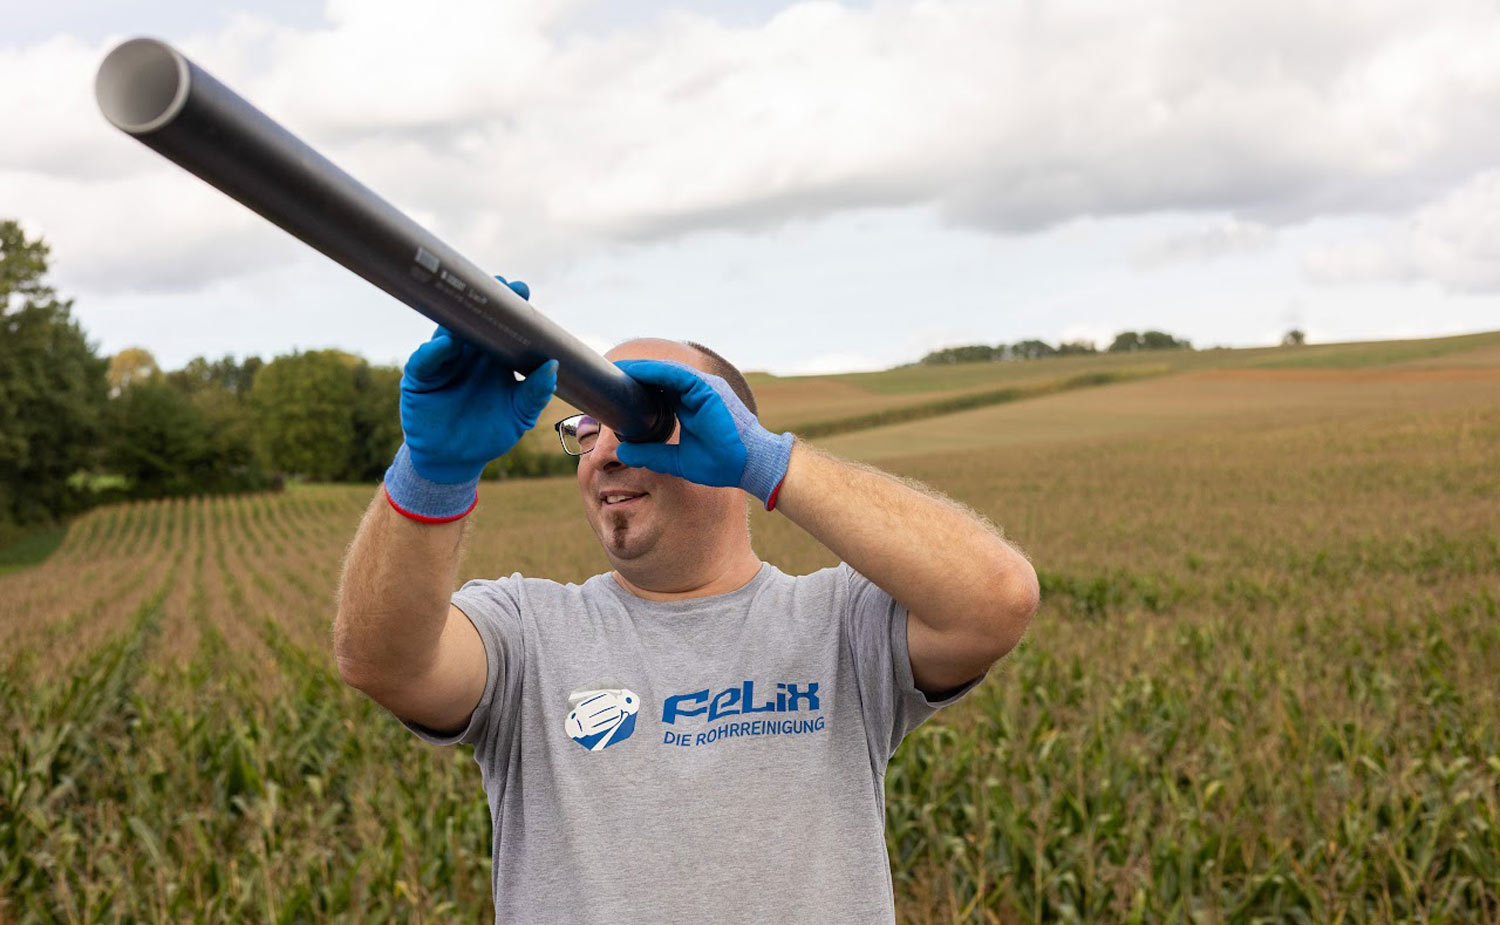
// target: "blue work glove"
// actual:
[[460, 408], [721, 442]]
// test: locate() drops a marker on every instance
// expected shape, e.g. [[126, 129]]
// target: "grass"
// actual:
[[30, 548], [1261, 687], [1380, 353]]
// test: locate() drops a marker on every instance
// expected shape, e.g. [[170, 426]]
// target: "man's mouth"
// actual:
[[617, 498]]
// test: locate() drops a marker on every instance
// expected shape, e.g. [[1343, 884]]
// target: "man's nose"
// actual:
[[604, 450]]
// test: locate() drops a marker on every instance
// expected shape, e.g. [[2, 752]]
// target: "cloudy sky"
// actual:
[[808, 186]]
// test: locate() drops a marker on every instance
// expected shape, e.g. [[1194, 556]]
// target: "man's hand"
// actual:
[[720, 443], [460, 408]]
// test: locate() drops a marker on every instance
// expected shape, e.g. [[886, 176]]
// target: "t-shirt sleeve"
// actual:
[[875, 625], [494, 609]]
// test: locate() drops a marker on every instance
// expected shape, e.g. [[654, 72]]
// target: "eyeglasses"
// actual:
[[578, 434]]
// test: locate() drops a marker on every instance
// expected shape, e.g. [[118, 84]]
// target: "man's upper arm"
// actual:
[[445, 696], [944, 662]]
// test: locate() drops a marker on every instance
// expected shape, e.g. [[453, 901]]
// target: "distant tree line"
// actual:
[[77, 429], [1124, 342]]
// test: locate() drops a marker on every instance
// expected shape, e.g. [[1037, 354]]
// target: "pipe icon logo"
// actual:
[[598, 719]]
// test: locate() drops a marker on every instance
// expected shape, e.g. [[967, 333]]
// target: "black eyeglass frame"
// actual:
[[564, 441]]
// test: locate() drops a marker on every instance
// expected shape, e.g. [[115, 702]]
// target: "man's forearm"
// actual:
[[957, 576], [394, 596]]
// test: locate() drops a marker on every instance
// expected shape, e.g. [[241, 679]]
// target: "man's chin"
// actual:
[[619, 553], [623, 539]]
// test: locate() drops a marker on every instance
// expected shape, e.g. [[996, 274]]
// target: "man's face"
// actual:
[[654, 527]]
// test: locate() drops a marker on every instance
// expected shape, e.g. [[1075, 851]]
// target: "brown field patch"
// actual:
[[787, 404], [52, 625], [267, 592], [179, 625], [33, 613], [1140, 410], [107, 615], [1401, 373], [225, 610], [29, 597]]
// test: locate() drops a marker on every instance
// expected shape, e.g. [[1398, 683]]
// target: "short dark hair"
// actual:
[[729, 373]]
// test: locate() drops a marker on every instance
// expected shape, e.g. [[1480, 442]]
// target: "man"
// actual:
[[694, 736]]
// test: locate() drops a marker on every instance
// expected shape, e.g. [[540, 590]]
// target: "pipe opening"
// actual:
[[141, 85]]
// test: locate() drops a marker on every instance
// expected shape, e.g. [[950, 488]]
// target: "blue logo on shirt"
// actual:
[[751, 715], [740, 699], [598, 719]]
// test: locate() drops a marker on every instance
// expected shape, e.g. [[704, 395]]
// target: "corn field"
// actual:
[[1262, 687]]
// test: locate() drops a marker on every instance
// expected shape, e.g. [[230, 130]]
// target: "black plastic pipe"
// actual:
[[153, 93]]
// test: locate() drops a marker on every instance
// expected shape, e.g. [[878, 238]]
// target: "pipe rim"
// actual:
[[133, 89]]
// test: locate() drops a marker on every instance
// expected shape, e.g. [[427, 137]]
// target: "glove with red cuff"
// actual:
[[460, 408]]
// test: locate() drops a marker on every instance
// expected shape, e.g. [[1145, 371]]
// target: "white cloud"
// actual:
[[52, 125], [526, 144], [1225, 238], [829, 363], [152, 233], [1454, 242]]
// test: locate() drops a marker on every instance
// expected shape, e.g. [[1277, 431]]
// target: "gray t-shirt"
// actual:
[[712, 760]]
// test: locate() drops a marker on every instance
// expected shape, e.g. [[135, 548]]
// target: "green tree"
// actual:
[[220, 391], [1031, 350], [232, 463], [1130, 341], [1070, 348], [1160, 340], [226, 375], [303, 407], [52, 387], [970, 353], [185, 432], [1296, 337], [159, 441], [377, 421]]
